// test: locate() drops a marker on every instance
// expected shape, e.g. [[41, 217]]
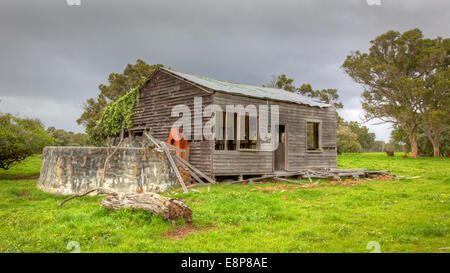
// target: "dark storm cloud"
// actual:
[[53, 56]]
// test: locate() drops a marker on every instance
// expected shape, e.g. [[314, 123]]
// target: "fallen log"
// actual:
[[171, 209], [98, 190]]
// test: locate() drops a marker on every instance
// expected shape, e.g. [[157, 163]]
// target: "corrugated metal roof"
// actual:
[[248, 90]]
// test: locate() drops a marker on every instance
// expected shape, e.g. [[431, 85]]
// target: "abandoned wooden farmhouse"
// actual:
[[307, 128]]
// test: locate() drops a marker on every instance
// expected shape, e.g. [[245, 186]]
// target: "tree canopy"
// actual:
[[396, 74], [20, 138], [364, 138], [118, 85], [347, 141], [68, 138], [329, 96]]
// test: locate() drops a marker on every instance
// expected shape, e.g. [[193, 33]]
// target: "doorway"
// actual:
[[280, 152]]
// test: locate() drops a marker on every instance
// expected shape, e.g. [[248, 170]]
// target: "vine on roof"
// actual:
[[118, 115]]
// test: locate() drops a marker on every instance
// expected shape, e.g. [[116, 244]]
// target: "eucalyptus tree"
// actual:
[[394, 74]]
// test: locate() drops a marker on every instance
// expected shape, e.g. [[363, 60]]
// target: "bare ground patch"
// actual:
[[179, 232], [21, 177]]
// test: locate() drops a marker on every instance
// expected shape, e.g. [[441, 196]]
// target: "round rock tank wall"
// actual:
[[71, 170]]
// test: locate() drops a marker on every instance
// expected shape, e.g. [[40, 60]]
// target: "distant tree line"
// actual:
[[68, 138]]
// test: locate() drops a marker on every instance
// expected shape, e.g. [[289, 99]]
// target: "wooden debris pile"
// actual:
[[320, 173], [190, 172]]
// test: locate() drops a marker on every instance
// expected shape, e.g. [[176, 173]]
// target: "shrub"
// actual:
[[347, 141], [20, 138]]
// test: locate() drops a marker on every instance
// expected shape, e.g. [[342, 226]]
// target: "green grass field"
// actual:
[[409, 215]]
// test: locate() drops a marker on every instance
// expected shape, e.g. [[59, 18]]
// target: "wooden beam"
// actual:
[[249, 180], [196, 170], [288, 181], [186, 164], [174, 167], [190, 171], [153, 140], [158, 142]]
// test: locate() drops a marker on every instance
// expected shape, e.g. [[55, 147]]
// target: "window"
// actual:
[[220, 131], [249, 132], [312, 136], [226, 131], [231, 132]]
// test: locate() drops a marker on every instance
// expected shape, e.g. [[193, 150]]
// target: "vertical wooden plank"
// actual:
[[174, 166]]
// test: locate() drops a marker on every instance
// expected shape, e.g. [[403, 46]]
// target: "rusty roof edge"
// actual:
[[168, 71], [247, 90]]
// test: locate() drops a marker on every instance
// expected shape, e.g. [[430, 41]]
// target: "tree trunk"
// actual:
[[413, 141], [170, 209], [436, 149], [434, 140]]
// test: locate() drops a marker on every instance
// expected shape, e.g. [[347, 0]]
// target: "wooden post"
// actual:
[[196, 170], [153, 140], [190, 171], [159, 143], [174, 167]]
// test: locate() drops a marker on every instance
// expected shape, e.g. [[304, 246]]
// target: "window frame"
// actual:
[[319, 136], [238, 144], [244, 117], [223, 128], [225, 140]]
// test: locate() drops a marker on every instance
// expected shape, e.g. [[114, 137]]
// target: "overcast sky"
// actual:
[[53, 56]]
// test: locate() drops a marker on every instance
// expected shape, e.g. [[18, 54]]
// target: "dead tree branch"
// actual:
[[98, 190]]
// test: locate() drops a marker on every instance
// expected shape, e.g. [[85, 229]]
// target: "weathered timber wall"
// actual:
[[294, 116], [153, 113], [70, 170]]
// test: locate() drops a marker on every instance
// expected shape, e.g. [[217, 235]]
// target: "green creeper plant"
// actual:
[[117, 116]]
